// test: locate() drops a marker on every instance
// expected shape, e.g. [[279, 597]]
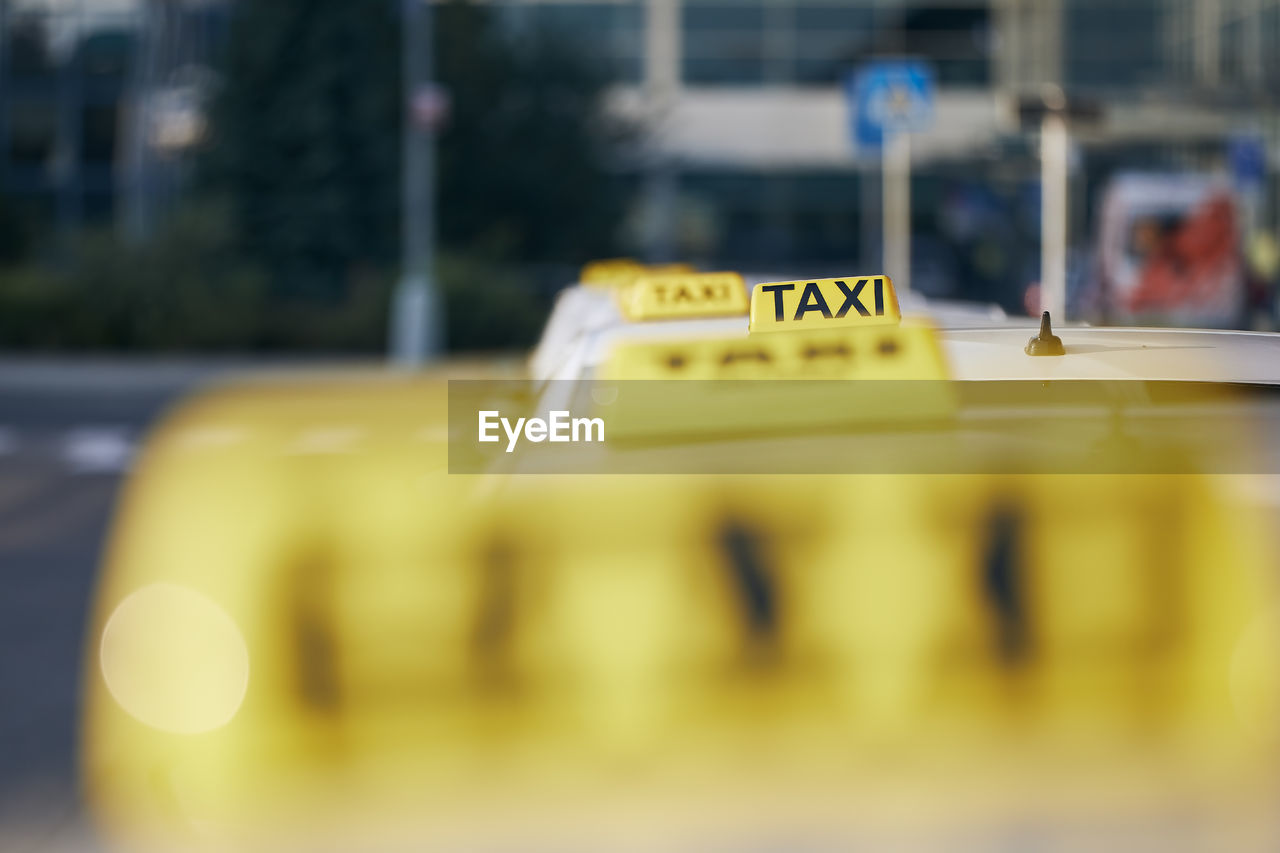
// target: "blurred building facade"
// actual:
[[750, 160], [95, 103], [750, 121]]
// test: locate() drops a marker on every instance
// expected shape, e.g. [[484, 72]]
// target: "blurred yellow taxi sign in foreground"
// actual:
[[825, 302], [304, 622], [620, 272], [668, 296], [902, 352]]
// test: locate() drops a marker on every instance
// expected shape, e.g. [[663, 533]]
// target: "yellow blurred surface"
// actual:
[[307, 630]]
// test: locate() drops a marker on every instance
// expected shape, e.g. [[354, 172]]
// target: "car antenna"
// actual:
[[1045, 343]]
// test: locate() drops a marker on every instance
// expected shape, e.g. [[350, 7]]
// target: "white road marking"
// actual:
[[209, 438], [97, 450]]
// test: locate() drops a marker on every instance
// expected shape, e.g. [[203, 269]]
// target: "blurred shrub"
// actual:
[[14, 233], [183, 290], [190, 289], [489, 306]]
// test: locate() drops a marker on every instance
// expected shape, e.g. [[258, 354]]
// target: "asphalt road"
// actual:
[[68, 430]]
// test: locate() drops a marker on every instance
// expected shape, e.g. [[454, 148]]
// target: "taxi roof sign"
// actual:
[[888, 352], [778, 306], [727, 395], [621, 272], [668, 296], [610, 271]]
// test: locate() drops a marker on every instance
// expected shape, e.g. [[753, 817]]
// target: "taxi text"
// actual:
[[855, 301]]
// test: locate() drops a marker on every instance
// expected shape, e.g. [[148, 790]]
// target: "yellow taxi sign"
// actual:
[[388, 607], [744, 404], [620, 272], [824, 303], [679, 268], [660, 297], [610, 271], [902, 352]]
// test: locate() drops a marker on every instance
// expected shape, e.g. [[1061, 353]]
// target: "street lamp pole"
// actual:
[[1055, 148], [1056, 114], [416, 329], [896, 208]]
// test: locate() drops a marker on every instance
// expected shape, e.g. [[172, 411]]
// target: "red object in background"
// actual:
[[1190, 262], [1031, 299]]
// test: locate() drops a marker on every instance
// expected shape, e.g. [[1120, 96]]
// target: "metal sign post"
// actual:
[[1054, 150], [1055, 113], [416, 324], [889, 100], [896, 177]]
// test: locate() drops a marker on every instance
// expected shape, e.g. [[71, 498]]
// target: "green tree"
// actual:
[[524, 158], [14, 234], [306, 140], [307, 143]]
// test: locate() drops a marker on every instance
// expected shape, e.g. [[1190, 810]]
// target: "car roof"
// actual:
[[1192, 355], [980, 341]]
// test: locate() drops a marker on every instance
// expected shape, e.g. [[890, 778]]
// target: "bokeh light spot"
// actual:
[[174, 659]]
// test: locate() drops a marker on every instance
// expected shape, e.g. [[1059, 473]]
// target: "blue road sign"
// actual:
[[1247, 154], [888, 96]]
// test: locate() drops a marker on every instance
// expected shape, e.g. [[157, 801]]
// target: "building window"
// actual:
[[1109, 45], [818, 43], [612, 34], [723, 42]]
